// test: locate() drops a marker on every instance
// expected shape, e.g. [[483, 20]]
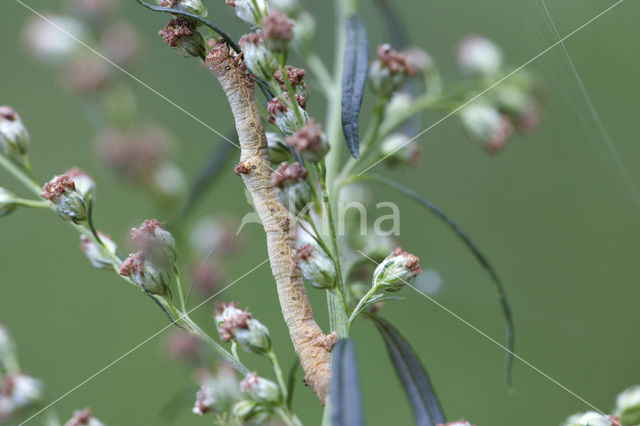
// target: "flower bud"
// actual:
[[85, 186], [485, 124], [278, 149], [83, 418], [47, 43], [7, 202], [316, 266], [628, 406], [591, 418], [217, 392], [478, 56], [278, 30], [260, 390], [310, 141], [250, 11], [145, 275], [194, 7], [295, 77], [293, 188], [168, 182], [398, 150], [235, 324], [303, 30], [157, 244], [183, 37], [68, 202], [244, 410], [396, 271], [19, 391], [259, 59], [285, 118], [389, 72], [14, 138], [95, 253]]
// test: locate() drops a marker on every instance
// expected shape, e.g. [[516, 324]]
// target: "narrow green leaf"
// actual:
[[412, 375], [346, 406], [354, 78], [481, 258]]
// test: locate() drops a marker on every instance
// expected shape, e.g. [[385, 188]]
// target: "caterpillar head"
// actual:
[[219, 59]]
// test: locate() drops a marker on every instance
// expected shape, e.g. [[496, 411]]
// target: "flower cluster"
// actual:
[[236, 325]]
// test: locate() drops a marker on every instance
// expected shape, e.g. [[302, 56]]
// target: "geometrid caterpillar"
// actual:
[[311, 345]]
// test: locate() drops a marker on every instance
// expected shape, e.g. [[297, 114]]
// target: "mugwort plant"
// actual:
[[310, 197]]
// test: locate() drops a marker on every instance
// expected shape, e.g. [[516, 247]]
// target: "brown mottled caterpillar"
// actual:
[[311, 345]]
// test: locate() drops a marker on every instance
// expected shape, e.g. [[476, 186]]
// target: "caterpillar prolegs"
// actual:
[[310, 343]]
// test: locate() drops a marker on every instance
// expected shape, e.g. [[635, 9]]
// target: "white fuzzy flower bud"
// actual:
[[68, 202], [485, 124], [22, 390], [628, 406], [250, 11], [195, 7], [260, 390], [316, 266], [14, 138], [478, 56], [398, 149], [590, 418], [235, 324], [46, 42], [96, 253], [259, 59], [244, 410], [157, 244], [396, 271], [83, 418], [145, 275]]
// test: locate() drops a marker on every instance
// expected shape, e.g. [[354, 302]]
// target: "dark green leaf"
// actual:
[[346, 407], [414, 378], [354, 77], [481, 258]]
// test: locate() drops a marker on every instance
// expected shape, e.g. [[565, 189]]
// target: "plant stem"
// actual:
[[176, 271], [288, 418], [21, 175], [32, 203], [361, 303], [273, 359], [337, 313]]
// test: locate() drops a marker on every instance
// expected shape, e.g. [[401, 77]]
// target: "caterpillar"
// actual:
[[310, 343]]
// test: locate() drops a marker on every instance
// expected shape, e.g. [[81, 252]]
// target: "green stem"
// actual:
[[287, 417], [176, 271], [273, 359], [32, 203], [361, 303], [21, 175], [337, 313]]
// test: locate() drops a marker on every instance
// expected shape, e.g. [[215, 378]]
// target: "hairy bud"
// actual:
[[157, 244], [628, 406], [250, 11], [278, 30], [389, 71], [195, 7], [68, 202], [17, 392], [316, 266], [145, 275], [235, 324], [14, 138], [259, 58], [310, 141], [85, 186], [485, 124], [278, 149], [293, 188], [217, 392], [245, 410], [396, 271], [478, 56], [591, 418], [95, 253], [183, 37], [283, 117], [83, 417], [260, 390], [398, 150]]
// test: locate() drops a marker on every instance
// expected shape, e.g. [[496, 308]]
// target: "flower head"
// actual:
[[283, 117], [278, 30], [235, 324], [257, 56], [95, 252], [154, 241], [398, 269], [310, 141], [293, 188], [478, 56], [183, 37], [83, 417], [389, 71], [316, 266], [250, 11], [260, 390], [398, 149], [144, 274], [14, 138], [487, 125], [69, 203]]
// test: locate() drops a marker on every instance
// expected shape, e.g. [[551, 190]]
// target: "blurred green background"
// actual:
[[552, 213]]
